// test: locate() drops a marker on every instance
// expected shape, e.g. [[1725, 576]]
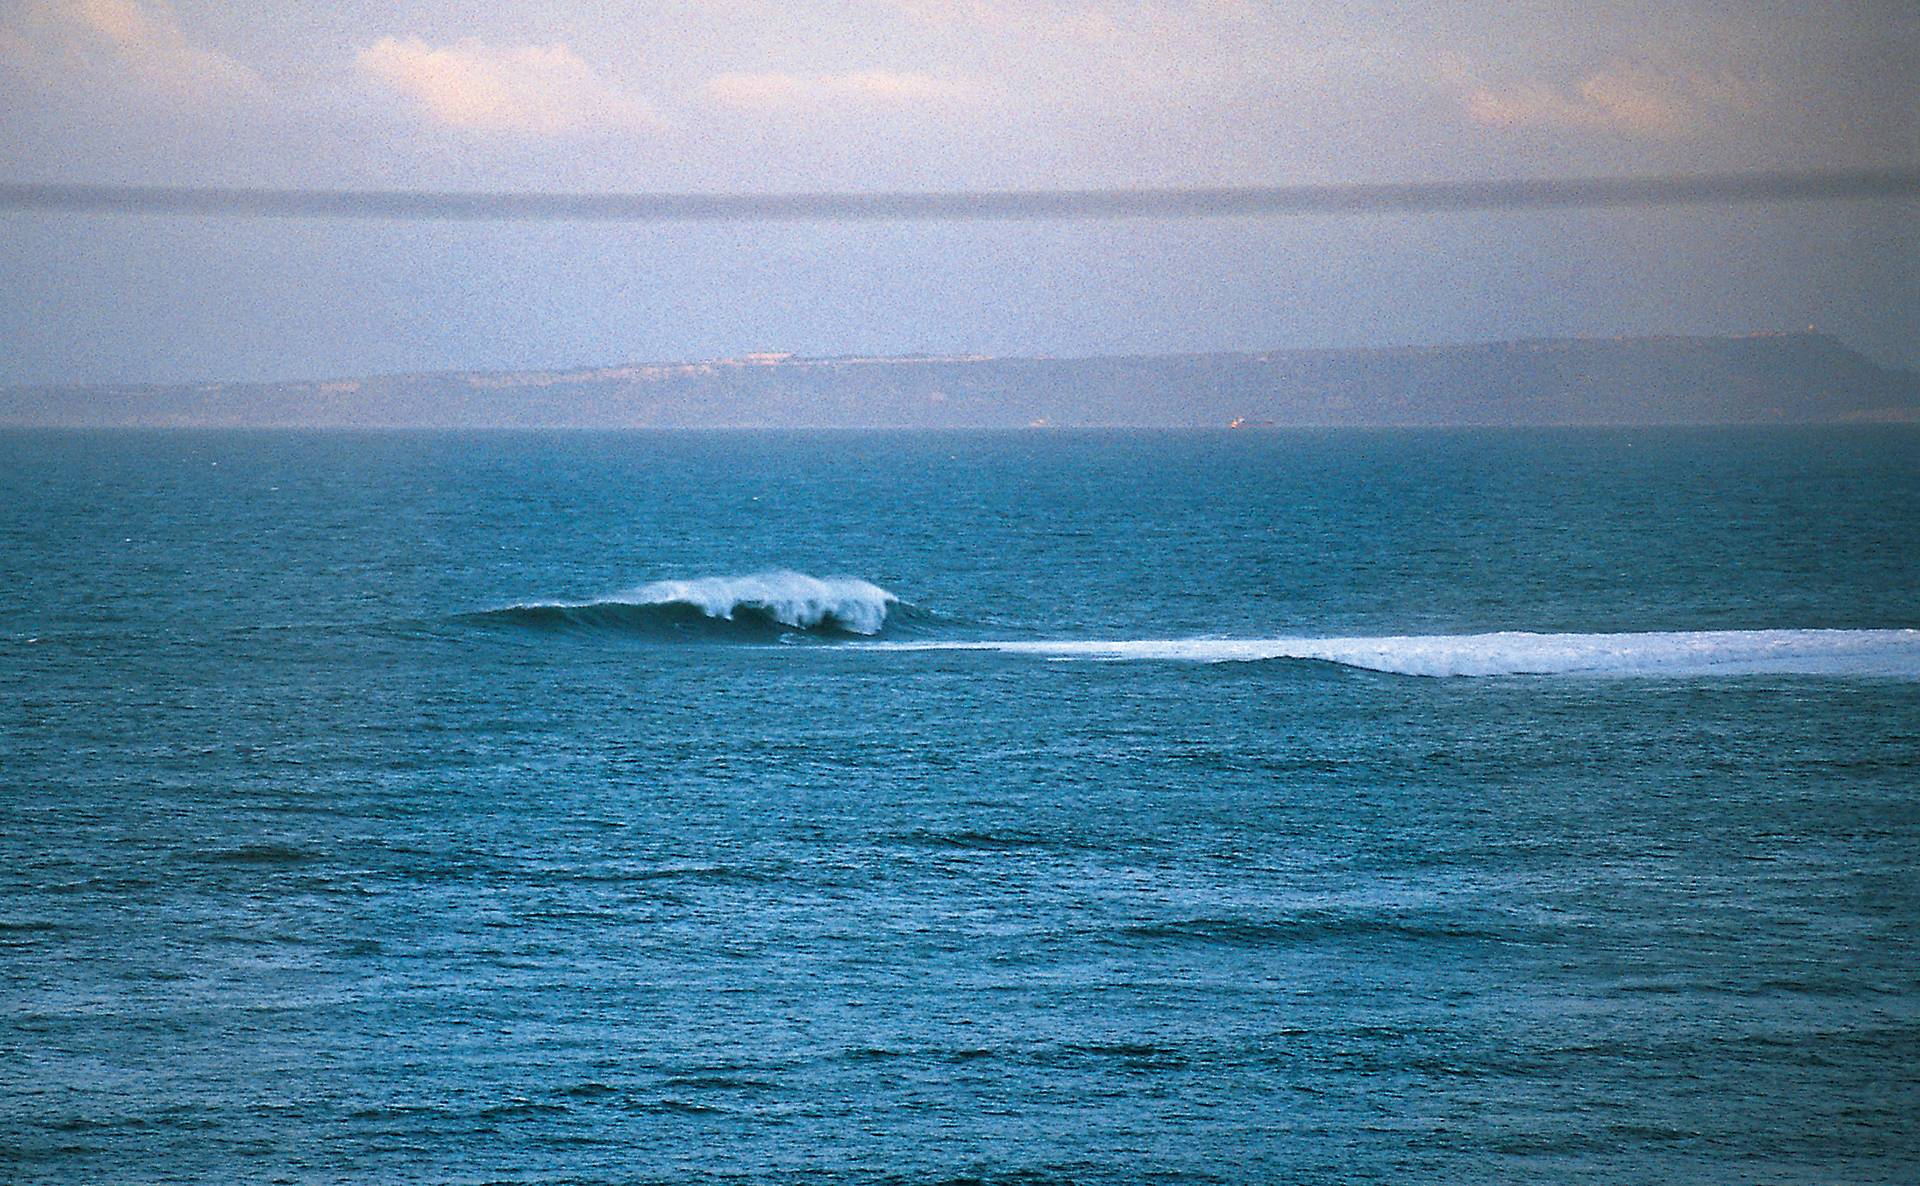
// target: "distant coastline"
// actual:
[[1762, 378]]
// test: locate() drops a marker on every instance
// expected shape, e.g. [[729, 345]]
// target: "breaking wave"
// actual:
[[1885, 653], [763, 605], [779, 605]]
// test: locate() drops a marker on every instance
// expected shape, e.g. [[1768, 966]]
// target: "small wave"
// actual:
[[1876, 653], [971, 840], [260, 854], [765, 605], [1310, 926]]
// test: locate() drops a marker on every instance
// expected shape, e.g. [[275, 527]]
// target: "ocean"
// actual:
[[1396, 807]]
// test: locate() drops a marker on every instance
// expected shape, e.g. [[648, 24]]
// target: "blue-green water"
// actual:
[[368, 812]]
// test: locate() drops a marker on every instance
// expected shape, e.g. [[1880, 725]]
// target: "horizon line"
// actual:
[[993, 205]]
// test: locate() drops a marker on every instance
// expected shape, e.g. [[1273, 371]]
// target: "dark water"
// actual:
[[321, 861]]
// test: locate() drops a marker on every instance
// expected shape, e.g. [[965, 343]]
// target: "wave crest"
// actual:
[[791, 599], [768, 603]]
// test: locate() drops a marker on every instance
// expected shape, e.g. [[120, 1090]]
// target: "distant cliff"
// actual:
[[1753, 379]]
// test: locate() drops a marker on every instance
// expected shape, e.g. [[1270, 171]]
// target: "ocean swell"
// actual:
[[1884, 653], [764, 605]]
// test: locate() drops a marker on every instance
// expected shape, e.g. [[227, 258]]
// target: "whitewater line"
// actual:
[[1884, 653]]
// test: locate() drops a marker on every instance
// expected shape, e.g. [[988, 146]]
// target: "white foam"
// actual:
[[790, 598], [1889, 653]]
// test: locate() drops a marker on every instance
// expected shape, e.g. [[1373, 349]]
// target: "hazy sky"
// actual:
[[946, 94]]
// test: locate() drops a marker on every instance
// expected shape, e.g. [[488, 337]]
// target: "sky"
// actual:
[[732, 96]]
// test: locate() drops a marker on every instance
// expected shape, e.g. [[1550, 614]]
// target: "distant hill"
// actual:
[[1800, 378]]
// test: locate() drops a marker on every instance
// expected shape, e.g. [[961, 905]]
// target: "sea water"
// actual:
[[1026, 807]]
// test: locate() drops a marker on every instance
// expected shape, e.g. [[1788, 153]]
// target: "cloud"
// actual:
[[1200, 23], [544, 90], [1620, 98], [1084, 21], [766, 91], [121, 42]]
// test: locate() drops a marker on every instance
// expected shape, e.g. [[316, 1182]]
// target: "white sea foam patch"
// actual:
[[790, 598], [1888, 653]]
